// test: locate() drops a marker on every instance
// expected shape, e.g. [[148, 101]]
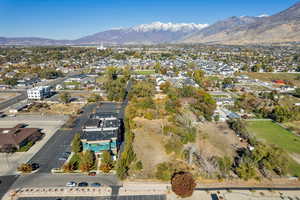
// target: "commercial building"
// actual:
[[17, 137], [38, 93], [102, 132]]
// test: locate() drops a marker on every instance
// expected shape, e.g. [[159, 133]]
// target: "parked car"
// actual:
[[95, 185], [83, 184], [214, 197], [71, 184], [62, 158], [35, 166], [92, 174]]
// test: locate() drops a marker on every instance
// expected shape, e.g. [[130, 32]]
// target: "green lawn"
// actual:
[[293, 77], [274, 134], [144, 72]]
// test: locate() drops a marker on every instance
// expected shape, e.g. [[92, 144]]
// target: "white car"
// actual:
[[71, 184]]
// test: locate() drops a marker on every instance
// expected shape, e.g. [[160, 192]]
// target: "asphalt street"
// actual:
[[14, 100], [60, 180], [5, 183]]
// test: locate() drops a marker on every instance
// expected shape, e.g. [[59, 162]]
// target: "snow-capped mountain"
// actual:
[[153, 33], [173, 27], [156, 32], [283, 27]]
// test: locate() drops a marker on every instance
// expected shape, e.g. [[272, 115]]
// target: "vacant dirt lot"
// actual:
[[148, 145], [57, 108], [217, 140]]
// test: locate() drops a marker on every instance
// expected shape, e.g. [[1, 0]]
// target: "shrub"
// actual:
[[25, 168], [26, 147], [68, 167], [105, 167], [183, 184], [173, 145], [164, 171], [139, 165]]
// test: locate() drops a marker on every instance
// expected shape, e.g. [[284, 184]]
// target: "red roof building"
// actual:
[[279, 82]]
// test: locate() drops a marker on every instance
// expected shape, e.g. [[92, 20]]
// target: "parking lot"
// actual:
[[49, 125]]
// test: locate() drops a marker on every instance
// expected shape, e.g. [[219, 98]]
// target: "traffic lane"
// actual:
[[133, 197], [5, 183], [12, 101], [60, 180]]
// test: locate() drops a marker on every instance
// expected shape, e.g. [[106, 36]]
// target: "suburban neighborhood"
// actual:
[[160, 111]]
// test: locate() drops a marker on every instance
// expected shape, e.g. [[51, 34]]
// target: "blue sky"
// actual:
[[71, 19]]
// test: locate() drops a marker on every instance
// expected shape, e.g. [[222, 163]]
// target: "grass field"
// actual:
[[272, 133], [144, 72], [269, 77]]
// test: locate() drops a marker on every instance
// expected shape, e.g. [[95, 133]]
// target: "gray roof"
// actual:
[[92, 122], [99, 135]]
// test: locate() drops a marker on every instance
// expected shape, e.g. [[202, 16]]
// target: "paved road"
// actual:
[[5, 183], [136, 197], [14, 100], [60, 180], [249, 188]]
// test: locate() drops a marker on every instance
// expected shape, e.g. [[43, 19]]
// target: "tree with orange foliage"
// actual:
[[183, 184]]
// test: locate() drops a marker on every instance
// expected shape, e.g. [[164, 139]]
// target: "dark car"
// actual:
[[214, 197], [35, 166], [95, 185], [83, 184], [92, 174]]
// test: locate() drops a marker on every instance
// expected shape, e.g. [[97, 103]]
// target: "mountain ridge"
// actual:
[[280, 27]]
